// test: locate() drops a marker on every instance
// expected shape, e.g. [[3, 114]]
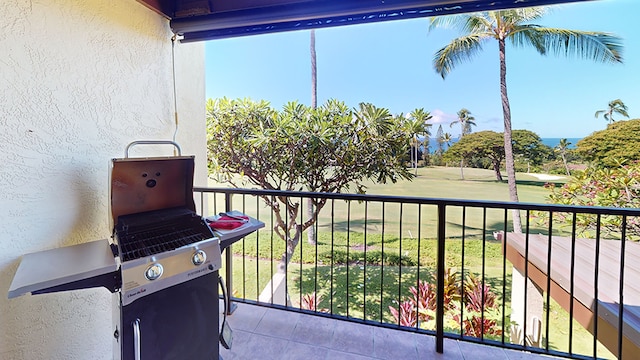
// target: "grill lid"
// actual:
[[141, 185]]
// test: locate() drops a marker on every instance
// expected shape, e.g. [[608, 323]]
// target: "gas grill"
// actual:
[[161, 263]]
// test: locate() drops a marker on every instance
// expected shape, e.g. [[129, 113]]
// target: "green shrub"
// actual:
[[374, 257]]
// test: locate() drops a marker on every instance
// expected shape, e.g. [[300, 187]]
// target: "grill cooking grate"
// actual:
[[149, 240]]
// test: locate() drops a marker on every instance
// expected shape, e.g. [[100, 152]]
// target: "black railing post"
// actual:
[[623, 236], [442, 212], [228, 257]]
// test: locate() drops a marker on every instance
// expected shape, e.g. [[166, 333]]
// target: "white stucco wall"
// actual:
[[79, 79]]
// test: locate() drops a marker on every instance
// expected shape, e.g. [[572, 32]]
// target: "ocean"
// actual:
[[551, 142]]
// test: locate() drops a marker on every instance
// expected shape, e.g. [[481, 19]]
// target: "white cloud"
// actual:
[[440, 117]]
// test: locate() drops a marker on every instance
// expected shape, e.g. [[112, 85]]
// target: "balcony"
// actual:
[[405, 277]]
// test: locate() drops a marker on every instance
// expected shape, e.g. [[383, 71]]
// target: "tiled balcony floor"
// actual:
[[265, 333]]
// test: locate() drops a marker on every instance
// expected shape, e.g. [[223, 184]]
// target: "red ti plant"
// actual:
[[478, 296], [311, 301], [480, 304], [422, 305], [477, 326], [407, 316]]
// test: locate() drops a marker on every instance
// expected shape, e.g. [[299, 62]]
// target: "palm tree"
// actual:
[[562, 148], [615, 106], [311, 232], [314, 70], [466, 120], [418, 125], [447, 139], [514, 25]]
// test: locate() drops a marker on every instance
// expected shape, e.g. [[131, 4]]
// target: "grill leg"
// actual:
[[231, 307]]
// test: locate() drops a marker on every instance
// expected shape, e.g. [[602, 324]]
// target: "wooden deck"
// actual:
[[585, 296]]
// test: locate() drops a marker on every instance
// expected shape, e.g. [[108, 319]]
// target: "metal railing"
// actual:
[[386, 260]]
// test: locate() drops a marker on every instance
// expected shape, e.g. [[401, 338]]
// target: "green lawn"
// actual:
[[392, 233], [433, 182]]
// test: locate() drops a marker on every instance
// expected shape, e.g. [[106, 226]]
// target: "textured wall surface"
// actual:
[[79, 80]]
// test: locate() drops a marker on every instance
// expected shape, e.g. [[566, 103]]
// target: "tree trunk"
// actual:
[[496, 170], [415, 158], [311, 231], [566, 166], [508, 145], [314, 71], [292, 243], [461, 167]]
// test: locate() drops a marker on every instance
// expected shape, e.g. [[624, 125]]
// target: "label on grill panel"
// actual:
[[136, 293], [129, 285], [198, 272]]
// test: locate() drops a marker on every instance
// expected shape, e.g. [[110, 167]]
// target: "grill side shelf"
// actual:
[[81, 266], [228, 237], [110, 281]]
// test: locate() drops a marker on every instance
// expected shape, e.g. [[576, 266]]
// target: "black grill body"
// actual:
[[177, 323]]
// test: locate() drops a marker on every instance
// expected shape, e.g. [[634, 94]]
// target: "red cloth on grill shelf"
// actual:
[[225, 222]]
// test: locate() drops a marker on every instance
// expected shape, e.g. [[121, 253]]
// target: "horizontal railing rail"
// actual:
[[447, 267], [490, 204]]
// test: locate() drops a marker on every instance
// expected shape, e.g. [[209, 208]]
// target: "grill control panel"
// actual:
[[145, 276]]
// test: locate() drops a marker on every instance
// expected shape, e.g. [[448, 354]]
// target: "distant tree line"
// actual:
[[612, 179], [485, 149]]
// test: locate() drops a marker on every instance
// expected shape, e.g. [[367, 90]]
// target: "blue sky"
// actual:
[[390, 65]]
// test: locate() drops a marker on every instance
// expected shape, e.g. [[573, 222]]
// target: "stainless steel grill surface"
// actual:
[[146, 234]]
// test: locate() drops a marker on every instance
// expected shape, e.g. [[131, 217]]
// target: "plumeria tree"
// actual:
[[616, 186], [328, 149]]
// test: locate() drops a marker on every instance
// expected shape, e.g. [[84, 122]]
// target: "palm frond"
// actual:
[[477, 23], [448, 22], [512, 17], [618, 107], [458, 50], [597, 46], [526, 35], [623, 113], [531, 13]]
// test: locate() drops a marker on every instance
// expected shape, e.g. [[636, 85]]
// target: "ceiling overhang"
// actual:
[[197, 20]]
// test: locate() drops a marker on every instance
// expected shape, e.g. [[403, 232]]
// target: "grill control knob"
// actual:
[[199, 257], [153, 272]]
